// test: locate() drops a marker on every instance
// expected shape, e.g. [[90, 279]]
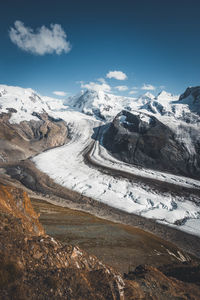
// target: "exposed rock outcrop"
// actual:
[[19, 141], [141, 139], [193, 92]]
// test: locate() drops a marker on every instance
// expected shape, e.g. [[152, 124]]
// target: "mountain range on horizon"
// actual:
[[93, 102]]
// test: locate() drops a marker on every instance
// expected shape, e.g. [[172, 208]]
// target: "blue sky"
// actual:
[[155, 44]]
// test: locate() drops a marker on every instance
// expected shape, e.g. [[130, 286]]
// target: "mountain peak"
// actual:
[[147, 95], [23, 101], [164, 93], [101, 104], [164, 96]]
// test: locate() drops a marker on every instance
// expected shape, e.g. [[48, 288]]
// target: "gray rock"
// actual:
[[141, 139], [191, 91]]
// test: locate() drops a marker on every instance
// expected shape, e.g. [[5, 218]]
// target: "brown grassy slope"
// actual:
[[35, 266]]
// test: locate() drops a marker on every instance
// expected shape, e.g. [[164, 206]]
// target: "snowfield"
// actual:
[[25, 102], [87, 112]]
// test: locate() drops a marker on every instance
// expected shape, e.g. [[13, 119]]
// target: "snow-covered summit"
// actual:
[[106, 105], [187, 108], [24, 103], [164, 96], [98, 103], [147, 96]]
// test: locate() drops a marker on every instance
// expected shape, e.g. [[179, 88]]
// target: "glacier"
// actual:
[[67, 166]]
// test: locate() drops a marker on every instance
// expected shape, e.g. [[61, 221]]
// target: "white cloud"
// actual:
[[121, 88], [42, 41], [102, 80], [116, 75], [96, 86], [148, 87], [60, 93], [133, 92]]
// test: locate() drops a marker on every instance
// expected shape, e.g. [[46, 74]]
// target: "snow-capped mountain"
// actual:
[[99, 104], [23, 103], [27, 123], [184, 108], [106, 106]]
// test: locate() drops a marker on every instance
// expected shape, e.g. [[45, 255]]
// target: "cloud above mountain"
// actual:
[[41, 41], [94, 86], [119, 75], [121, 88], [60, 93], [148, 87], [133, 92]]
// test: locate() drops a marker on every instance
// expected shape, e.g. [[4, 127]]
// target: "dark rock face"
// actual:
[[192, 91], [191, 97], [143, 140], [19, 141]]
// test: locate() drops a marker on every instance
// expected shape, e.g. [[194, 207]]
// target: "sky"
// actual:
[[126, 47]]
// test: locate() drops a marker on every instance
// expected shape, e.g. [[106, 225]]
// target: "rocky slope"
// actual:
[[35, 266], [141, 139], [19, 141], [27, 126]]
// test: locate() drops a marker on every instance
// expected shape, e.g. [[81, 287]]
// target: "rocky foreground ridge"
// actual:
[[35, 266]]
